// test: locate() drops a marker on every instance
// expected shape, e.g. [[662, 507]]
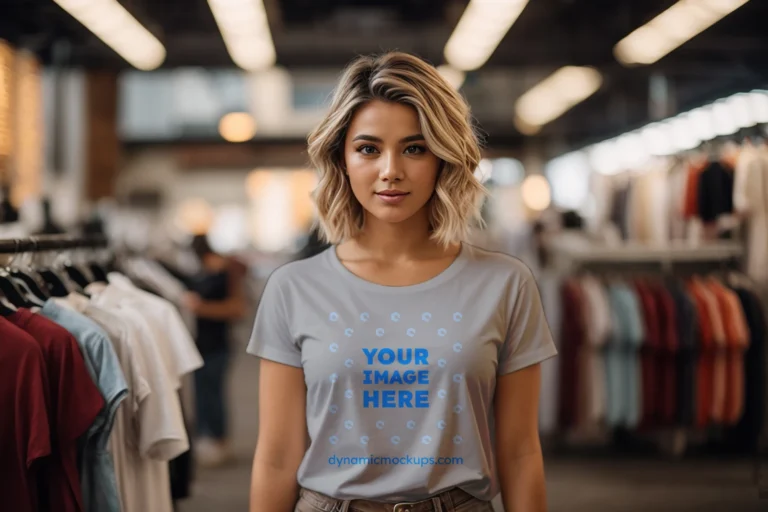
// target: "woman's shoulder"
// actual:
[[499, 263], [300, 269]]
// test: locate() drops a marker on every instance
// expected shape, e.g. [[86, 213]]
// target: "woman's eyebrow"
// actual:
[[371, 138]]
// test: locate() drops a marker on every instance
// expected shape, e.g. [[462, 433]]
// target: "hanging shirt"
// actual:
[[715, 192], [750, 197], [598, 328], [157, 433], [75, 403], [402, 374], [687, 323], [24, 423], [97, 473], [180, 349]]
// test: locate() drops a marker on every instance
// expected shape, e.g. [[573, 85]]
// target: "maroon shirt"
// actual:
[[75, 402], [24, 433]]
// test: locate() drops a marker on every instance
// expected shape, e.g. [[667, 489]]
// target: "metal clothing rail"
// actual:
[[44, 243]]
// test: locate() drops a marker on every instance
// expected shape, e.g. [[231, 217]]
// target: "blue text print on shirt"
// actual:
[[402, 375]]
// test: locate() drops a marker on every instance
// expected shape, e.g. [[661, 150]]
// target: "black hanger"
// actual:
[[76, 275], [6, 308], [31, 285], [12, 290], [55, 284], [99, 273]]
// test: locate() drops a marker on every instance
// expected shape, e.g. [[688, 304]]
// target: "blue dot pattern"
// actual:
[[426, 438]]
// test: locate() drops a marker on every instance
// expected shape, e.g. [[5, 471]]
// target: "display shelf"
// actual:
[[576, 248]]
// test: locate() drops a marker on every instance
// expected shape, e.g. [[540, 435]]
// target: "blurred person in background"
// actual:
[[217, 299], [399, 293]]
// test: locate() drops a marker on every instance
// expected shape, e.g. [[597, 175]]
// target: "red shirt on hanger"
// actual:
[[24, 433], [75, 402]]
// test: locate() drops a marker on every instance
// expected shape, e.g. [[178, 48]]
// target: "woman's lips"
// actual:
[[392, 198]]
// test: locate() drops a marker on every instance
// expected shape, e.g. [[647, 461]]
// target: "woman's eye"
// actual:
[[415, 150], [366, 150]]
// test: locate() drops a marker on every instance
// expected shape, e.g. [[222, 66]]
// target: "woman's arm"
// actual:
[[518, 448], [282, 438]]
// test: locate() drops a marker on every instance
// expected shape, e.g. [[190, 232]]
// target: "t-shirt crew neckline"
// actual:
[[446, 275]]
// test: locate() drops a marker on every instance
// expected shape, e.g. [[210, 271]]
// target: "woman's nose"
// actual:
[[392, 168]]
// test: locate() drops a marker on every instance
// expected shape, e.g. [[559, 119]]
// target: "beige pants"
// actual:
[[453, 500]]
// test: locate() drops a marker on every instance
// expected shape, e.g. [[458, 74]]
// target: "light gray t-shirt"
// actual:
[[400, 380]]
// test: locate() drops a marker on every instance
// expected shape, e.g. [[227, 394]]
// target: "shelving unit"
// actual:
[[569, 250]]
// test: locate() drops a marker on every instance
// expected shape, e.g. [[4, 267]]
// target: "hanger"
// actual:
[[28, 282], [55, 283], [13, 292]]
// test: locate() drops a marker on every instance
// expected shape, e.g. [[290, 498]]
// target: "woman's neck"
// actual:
[[390, 242]]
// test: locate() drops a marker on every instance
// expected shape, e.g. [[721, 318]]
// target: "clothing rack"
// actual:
[[51, 243]]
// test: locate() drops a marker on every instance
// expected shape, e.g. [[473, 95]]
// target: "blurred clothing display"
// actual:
[[645, 353], [750, 198], [98, 373], [667, 200]]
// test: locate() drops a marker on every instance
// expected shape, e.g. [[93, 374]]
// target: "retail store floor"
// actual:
[[574, 485]]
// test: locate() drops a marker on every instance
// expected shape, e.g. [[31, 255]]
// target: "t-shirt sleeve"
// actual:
[[271, 337], [529, 339]]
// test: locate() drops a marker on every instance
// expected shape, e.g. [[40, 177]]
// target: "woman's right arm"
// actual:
[[282, 438]]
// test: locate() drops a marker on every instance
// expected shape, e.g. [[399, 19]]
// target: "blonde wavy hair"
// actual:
[[447, 127]]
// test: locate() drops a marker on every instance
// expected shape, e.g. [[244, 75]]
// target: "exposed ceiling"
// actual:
[[731, 56]]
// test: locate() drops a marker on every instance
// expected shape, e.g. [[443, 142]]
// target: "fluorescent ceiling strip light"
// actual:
[[670, 29], [480, 30], [115, 26], [244, 27], [555, 95], [682, 132], [453, 76]]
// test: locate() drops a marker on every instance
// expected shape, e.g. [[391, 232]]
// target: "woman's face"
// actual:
[[390, 168]]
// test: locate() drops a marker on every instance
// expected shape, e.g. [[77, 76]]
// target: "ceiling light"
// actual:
[[115, 26], [480, 30], [605, 157], [244, 27], [554, 96], [657, 139], [452, 75], [670, 29], [237, 127], [759, 102], [536, 192]]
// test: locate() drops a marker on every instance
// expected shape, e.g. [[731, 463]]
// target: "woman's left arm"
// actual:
[[518, 448]]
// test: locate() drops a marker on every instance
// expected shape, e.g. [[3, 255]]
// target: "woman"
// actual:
[[217, 298], [408, 357]]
